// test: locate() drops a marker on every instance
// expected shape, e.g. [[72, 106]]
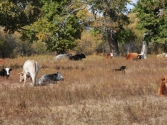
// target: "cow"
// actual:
[[2, 61], [30, 69], [46, 79], [78, 57], [133, 56], [122, 68], [162, 91], [162, 55], [5, 72], [63, 56]]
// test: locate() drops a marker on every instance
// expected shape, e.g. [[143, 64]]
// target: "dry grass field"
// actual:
[[91, 94]]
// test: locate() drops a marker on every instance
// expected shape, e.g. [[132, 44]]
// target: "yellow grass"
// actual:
[[91, 94]]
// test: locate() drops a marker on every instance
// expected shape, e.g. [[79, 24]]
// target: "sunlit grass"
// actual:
[[90, 94]]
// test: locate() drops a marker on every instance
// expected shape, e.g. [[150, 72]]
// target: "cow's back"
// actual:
[[131, 56], [29, 67]]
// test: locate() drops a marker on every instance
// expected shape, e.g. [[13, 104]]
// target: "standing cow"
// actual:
[[30, 69], [162, 91]]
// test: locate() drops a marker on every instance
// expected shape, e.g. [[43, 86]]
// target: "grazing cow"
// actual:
[[5, 72], [133, 56], [162, 91], [46, 79], [30, 69], [63, 56], [122, 68], [78, 57]]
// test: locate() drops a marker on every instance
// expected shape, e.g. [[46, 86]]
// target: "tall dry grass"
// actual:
[[91, 94]]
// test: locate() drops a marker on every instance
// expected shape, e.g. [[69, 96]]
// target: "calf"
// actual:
[[78, 57], [5, 72], [30, 69], [46, 79], [122, 68]]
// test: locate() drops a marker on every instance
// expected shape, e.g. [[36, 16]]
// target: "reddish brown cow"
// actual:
[[162, 91], [108, 56], [133, 56], [1, 61]]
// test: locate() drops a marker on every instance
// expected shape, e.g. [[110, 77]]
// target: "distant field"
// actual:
[[91, 94]]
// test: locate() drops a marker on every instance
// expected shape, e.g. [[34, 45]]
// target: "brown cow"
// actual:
[[162, 91], [2, 62], [133, 56]]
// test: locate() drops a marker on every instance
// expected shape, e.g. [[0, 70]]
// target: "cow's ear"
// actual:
[[162, 79]]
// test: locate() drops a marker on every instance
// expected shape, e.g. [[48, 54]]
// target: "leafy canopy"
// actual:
[[152, 15]]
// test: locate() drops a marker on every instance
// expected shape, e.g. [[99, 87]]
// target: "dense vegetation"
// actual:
[[40, 26]]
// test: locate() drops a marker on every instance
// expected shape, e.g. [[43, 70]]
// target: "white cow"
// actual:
[[30, 69]]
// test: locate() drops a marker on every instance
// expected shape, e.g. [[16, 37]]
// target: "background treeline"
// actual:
[[44, 26]]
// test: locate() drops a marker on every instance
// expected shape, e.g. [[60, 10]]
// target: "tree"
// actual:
[[57, 23], [59, 26], [152, 15], [16, 14], [112, 21]]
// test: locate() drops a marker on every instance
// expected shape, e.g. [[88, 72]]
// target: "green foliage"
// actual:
[[125, 35], [7, 46], [58, 26], [14, 14], [152, 19]]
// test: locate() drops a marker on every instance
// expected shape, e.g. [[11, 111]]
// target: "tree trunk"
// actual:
[[144, 50], [113, 43]]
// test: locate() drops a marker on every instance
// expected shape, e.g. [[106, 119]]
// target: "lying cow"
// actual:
[[46, 79], [162, 91], [30, 69], [63, 56], [133, 56], [5, 72], [78, 57], [122, 68]]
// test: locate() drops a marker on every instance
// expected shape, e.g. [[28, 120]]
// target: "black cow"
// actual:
[[5, 72], [122, 68], [78, 57], [46, 79]]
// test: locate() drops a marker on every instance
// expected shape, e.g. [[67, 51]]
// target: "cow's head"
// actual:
[[21, 76], [82, 55], [6, 71], [59, 76]]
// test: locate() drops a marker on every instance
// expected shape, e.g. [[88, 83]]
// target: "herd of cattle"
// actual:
[[31, 69]]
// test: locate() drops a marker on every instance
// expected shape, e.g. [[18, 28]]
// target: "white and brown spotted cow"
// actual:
[[30, 69]]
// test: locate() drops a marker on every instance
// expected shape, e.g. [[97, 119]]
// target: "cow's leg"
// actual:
[[25, 77], [33, 77]]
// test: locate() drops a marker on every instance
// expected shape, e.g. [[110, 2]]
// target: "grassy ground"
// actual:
[[91, 94]]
